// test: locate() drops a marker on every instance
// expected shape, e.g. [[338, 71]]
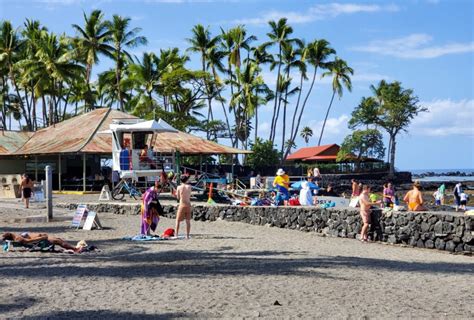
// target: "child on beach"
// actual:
[[437, 197], [183, 193], [463, 197]]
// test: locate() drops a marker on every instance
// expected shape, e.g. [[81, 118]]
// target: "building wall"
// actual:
[[12, 166]]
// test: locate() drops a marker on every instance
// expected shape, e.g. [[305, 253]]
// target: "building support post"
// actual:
[[36, 168], [59, 172], [49, 192], [84, 172]]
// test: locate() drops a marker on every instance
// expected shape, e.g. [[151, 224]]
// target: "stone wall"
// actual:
[[443, 231]]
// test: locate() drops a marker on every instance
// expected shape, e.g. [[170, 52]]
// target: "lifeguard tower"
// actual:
[[132, 153]]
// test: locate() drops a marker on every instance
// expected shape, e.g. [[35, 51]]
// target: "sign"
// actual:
[[354, 202], [81, 213], [92, 221], [340, 202], [105, 193]]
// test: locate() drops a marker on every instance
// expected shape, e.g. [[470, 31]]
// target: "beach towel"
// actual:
[[142, 237]]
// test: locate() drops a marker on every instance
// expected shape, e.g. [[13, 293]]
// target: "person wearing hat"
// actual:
[[414, 198], [282, 184]]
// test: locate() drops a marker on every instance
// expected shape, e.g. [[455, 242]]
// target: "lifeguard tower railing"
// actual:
[[132, 148]]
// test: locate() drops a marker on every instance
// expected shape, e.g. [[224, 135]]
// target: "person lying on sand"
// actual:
[[414, 199], [27, 238]]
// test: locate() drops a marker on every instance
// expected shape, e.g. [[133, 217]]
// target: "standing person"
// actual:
[[26, 186], [309, 175], [442, 192], [437, 197], [316, 174], [183, 193], [388, 195], [414, 198], [282, 184], [150, 210], [457, 195], [463, 197], [364, 203], [355, 188], [305, 197]]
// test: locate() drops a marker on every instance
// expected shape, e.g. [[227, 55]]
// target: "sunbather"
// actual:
[[27, 238]]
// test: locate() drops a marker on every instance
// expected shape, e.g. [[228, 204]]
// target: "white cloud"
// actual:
[[445, 118], [264, 130], [414, 46], [334, 131], [317, 12]]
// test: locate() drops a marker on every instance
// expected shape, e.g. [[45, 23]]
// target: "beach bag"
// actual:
[[294, 202]]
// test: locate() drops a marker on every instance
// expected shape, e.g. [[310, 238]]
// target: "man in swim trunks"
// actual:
[[414, 198], [183, 193], [27, 238], [365, 203]]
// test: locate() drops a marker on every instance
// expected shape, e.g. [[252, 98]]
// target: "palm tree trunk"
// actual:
[[256, 124], [295, 113], [23, 111], [392, 155], [35, 122], [45, 115], [117, 78], [284, 118], [4, 105], [272, 128], [326, 118], [304, 103]]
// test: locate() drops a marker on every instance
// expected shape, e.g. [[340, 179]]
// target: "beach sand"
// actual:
[[227, 270]]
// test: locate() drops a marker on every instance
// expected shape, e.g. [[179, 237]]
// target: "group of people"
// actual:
[[151, 208]]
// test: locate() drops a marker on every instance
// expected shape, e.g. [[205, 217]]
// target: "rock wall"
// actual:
[[443, 231]]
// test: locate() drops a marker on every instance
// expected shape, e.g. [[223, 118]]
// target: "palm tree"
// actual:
[[299, 64], [201, 42], [289, 144], [278, 35], [341, 72], [253, 92], [11, 46], [122, 38], [306, 133], [91, 41], [318, 53], [52, 67]]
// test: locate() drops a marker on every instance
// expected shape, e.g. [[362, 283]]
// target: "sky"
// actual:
[[427, 45]]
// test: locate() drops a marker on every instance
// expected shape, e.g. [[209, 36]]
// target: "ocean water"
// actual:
[[444, 178]]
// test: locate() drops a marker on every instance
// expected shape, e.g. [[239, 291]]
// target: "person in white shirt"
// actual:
[[305, 197]]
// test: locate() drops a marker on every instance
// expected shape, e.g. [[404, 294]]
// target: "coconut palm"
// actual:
[[280, 31], [11, 46], [341, 73], [123, 37], [318, 54], [306, 133], [52, 67], [91, 41]]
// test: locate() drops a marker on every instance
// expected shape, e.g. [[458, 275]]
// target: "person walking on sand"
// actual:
[[414, 198], [183, 193], [365, 203], [26, 189]]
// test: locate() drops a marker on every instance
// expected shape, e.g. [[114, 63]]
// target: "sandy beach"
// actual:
[[227, 270]]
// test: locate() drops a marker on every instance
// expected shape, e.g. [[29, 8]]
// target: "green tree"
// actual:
[[392, 108], [317, 53], [123, 37], [91, 41], [341, 73], [264, 154], [279, 35], [362, 144], [306, 133]]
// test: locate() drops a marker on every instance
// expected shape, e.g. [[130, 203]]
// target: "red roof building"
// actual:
[[326, 153]]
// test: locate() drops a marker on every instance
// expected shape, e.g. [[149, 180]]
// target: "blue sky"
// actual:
[[427, 45]]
